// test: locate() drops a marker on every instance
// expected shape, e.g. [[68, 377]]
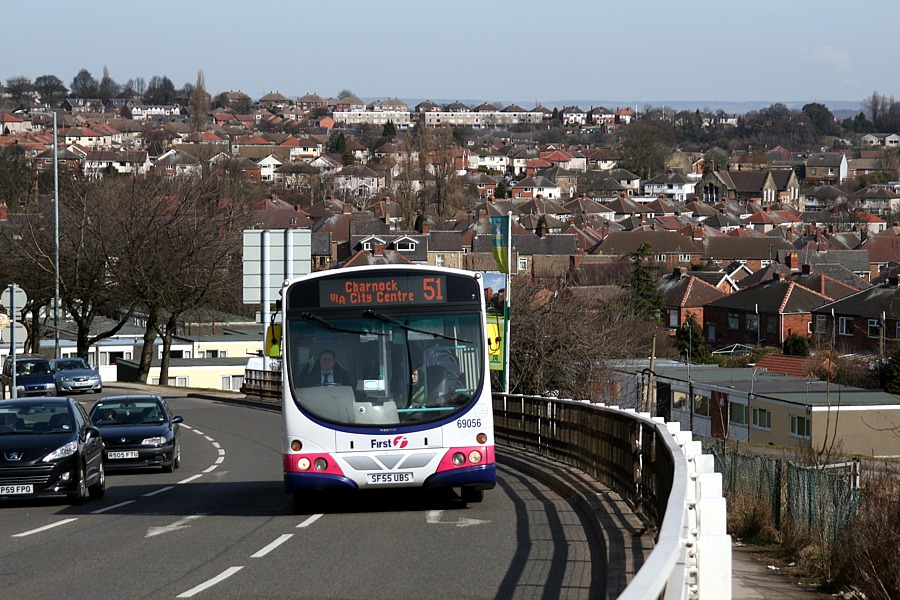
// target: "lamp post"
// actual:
[[56, 239]]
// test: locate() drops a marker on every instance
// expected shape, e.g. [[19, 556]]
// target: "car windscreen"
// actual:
[[136, 412]]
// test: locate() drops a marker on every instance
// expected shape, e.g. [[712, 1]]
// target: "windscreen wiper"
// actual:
[[385, 319], [331, 326]]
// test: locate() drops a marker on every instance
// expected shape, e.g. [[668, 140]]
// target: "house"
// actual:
[[865, 322], [130, 162], [765, 314], [359, 181], [754, 253], [685, 296], [669, 250], [826, 168], [175, 163], [534, 186], [671, 185], [267, 166], [886, 140], [765, 407]]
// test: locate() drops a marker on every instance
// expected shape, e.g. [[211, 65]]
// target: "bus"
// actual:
[[385, 381]]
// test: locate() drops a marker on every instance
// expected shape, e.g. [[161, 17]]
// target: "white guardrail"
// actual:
[[692, 556]]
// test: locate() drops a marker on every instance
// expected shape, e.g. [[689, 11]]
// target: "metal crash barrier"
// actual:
[[655, 467]]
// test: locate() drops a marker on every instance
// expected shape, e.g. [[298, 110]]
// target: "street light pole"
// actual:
[[56, 238]]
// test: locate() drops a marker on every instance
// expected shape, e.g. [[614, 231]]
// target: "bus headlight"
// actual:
[[481, 438], [303, 464], [459, 459], [321, 464], [475, 456]]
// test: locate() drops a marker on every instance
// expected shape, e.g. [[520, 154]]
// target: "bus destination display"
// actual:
[[409, 289]]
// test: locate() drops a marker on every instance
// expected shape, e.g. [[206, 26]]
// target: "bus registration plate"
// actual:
[[388, 478]]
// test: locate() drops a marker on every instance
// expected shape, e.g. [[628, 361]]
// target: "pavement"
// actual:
[[756, 573]]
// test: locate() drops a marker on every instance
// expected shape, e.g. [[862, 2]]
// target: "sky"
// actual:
[[643, 52]]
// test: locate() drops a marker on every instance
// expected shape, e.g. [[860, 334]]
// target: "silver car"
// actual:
[[74, 375]]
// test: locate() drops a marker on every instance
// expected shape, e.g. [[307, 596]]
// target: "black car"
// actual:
[[139, 431], [49, 446], [33, 375]]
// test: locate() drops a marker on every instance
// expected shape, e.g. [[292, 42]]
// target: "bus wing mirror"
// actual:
[[273, 341]]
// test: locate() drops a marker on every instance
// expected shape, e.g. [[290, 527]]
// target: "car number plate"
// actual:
[[383, 478], [122, 454], [9, 490]]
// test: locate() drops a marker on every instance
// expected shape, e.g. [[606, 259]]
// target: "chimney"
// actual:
[[426, 227], [379, 250], [805, 269], [347, 209], [4, 211], [792, 260], [776, 276]]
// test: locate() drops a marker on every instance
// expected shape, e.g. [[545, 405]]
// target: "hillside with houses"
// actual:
[[754, 237]]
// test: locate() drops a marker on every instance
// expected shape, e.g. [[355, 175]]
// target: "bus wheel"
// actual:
[[471, 495]]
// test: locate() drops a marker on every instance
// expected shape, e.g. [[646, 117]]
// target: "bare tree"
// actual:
[[556, 345], [182, 253], [200, 103]]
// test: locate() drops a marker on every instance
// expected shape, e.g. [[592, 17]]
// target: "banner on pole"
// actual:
[[500, 241], [495, 328]]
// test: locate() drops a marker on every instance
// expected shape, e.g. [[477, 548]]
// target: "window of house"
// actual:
[[771, 326], [439, 260], [874, 328], [752, 322], [762, 418], [367, 246], [701, 405], [765, 263], [523, 264], [732, 320], [679, 400], [673, 318], [711, 332], [660, 258], [684, 258], [232, 382], [800, 426], [845, 326], [738, 413], [406, 246], [822, 323]]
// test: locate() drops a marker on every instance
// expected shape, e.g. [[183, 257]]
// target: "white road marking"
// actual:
[[159, 491], [113, 507], [211, 468], [433, 517], [191, 478], [208, 584], [309, 521], [44, 528], [180, 524], [281, 539]]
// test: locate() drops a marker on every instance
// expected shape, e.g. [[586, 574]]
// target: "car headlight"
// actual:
[[153, 441], [64, 378], [63, 451]]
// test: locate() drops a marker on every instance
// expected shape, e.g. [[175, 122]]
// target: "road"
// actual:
[[222, 527]]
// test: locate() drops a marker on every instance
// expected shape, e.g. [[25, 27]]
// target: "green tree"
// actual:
[[390, 130], [84, 85], [16, 177], [502, 189], [822, 118], [644, 149], [690, 342], [890, 373], [108, 88], [796, 345], [642, 290]]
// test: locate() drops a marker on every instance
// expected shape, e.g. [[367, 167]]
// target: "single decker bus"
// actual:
[[385, 381]]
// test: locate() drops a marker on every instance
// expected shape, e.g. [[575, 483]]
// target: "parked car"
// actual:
[[74, 375], [49, 446], [33, 376], [139, 431]]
